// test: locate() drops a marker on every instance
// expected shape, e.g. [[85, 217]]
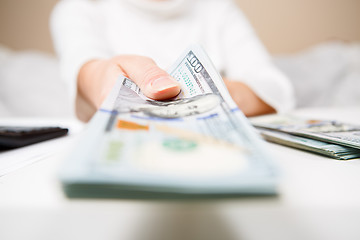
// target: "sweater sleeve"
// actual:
[[246, 60], [75, 30]]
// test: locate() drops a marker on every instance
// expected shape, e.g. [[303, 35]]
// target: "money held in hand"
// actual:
[[196, 145]]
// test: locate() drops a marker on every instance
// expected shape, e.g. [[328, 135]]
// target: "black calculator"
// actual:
[[16, 136]]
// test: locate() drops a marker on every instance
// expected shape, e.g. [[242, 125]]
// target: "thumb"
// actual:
[[154, 82]]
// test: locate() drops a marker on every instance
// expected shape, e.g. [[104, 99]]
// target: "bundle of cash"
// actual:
[[196, 145], [330, 138]]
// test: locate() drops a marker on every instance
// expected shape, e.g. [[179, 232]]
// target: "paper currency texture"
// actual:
[[197, 144]]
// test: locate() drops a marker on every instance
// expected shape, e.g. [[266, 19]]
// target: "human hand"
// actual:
[[97, 77], [246, 99]]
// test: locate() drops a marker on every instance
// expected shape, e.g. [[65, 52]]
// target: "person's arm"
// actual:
[[86, 65], [256, 85], [247, 100], [97, 77], [77, 37]]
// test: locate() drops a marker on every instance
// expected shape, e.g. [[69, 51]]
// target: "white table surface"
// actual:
[[319, 198]]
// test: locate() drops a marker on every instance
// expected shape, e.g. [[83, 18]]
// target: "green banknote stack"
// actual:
[[197, 145], [330, 138]]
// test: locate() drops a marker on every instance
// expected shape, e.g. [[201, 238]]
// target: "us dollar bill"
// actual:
[[331, 150], [197, 144], [330, 138]]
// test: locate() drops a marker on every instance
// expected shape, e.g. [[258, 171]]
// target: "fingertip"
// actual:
[[163, 83], [164, 88], [166, 93]]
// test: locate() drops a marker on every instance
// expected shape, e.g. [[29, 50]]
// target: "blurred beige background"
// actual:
[[285, 26]]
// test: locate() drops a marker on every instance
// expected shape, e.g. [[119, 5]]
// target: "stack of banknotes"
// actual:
[[330, 138], [196, 145]]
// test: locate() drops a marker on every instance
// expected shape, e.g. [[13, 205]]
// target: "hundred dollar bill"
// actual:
[[198, 144], [310, 135], [324, 130], [331, 150]]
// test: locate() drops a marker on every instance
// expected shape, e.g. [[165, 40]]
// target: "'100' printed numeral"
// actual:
[[194, 62]]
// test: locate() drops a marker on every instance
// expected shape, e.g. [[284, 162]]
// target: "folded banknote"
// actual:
[[196, 145]]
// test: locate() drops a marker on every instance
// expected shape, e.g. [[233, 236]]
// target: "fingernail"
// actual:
[[163, 83]]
